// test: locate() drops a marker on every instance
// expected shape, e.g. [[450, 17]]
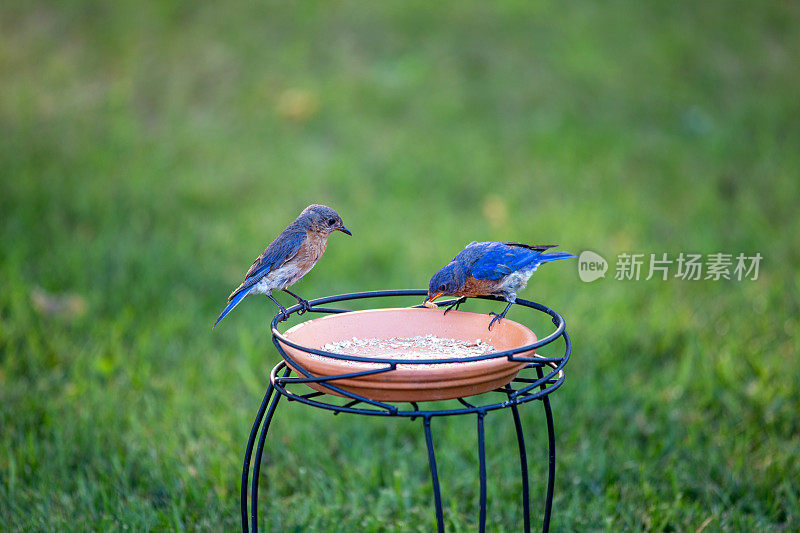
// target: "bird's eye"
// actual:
[[441, 288], [331, 221]]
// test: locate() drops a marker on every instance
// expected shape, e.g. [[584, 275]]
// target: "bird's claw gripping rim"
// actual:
[[304, 307], [284, 314], [455, 304]]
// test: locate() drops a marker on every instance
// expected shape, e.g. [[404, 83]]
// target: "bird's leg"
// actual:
[[498, 318], [282, 308], [303, 303], [455, 304]]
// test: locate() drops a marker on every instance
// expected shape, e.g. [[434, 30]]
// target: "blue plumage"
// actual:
[[497, 259], [284, 247], [233, 303], [496, 268], [289, 257], [554, 256]]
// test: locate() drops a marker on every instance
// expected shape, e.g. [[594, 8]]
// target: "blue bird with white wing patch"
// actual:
[[289, 257], [490, 268]]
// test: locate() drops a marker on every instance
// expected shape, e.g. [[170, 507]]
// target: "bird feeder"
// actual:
[[382, 379]]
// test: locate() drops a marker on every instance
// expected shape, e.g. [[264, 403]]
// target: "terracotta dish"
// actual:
[[410, 382]]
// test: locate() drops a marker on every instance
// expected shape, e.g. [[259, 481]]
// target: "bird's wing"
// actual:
[[536, 247], [281, 250], [499, 259]]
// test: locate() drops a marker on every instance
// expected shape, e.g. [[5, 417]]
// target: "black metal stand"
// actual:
[[521, 390]]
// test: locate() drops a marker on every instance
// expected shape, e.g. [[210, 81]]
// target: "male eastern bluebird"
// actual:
[[498, 268], [289, 257]]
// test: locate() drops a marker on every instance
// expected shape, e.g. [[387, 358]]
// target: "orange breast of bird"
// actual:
[[311, 250], [477, 287]]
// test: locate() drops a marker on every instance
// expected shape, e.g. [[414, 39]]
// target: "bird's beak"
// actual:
[[429, 301], [344, 230]]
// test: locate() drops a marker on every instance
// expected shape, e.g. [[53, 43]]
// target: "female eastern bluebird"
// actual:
[[289, 257], [498, 268]]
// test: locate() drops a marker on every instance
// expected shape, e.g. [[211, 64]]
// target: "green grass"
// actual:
[[149, 152]]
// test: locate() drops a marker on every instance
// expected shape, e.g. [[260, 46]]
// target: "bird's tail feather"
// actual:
[[228, 308], [553, 256]]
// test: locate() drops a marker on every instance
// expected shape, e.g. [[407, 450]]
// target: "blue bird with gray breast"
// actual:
[[490, 268], [289, 257]]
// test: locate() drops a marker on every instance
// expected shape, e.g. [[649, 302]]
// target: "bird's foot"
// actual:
[[455, 304], [284, 313], [304, 306], [495, 318], [498, 318]]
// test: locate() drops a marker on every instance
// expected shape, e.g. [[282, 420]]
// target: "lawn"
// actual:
[[150, 151]]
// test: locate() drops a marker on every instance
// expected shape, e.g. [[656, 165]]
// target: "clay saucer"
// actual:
[[409, 382]]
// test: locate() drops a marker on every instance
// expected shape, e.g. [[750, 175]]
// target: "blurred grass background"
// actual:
[[150, 151]]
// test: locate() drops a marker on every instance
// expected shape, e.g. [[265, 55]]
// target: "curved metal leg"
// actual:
[[523, 464], [551, 470], [249, 452], [437, 497], [482, 462], [259, 453], [551, 474]]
